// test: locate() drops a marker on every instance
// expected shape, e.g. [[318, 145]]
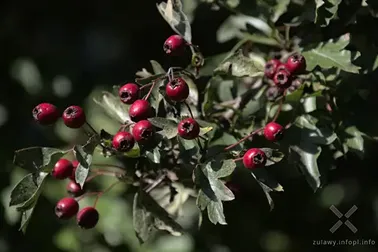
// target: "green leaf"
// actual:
[[25, 219], [148, 80], [239, 66], [143, 221], [326, 10], [154, 155], [329, 55], [211, 63], [134, 152], [273, 156], [354, 140], [279, 9], [113, 107], [157, 68], [169, 127], [312, 133]]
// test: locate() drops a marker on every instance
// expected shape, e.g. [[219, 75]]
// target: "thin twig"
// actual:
[[279, 106], [151, 88], [189, 109], [157, 182], [106, 190], [243, 139]]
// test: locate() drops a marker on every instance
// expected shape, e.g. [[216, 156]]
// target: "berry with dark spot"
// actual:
[[74, 189], [66, 208], [45, 113], [129, 93], [254, 158], [177, 90], [143, 131], [174, 45], [74, 117], [282, 79], [296, 64], [123, 141], [62, 169], [271, 68], [140, 110], [273, 132], [188, 128], [87, 218]]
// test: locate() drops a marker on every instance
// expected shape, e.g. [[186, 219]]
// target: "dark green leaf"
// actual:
[[273, 156], [354, 140], [267, 179], [153, 155], [211, 63], [143, 221], [326, 10], [311, 132], [279, 9], [25, 219], [148, 80], [158, 69], [169, 127], [113, 107]]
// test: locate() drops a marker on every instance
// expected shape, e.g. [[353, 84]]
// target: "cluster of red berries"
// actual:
[[68, 207]]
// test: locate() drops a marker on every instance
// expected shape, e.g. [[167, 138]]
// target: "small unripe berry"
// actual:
[[282, 79], [140, 110], [129, 93], [87, 218], [66, 208], [273, 131], [296, 64], [273, 93], [177, 90], [174, 45], [188, 129], [74, 117], [123, 141], [62, 169], [271, 68], [254, 158], [143, 131], [45, 113], [295, 84], [74, 189], [75, 164]]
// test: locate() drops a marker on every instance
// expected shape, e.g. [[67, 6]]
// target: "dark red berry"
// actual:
[[87, 218], [129, 93], [62, 169], [273, 131], [143, 131], [295, 84], [140, 110], [75, 164], [271, 68], [254, 158], [74, 117], [174, 45], [66, 208], [177, 90], [123, 141], [282, 79], [74, 189], [188, 128], [45, 113], [296, 64]]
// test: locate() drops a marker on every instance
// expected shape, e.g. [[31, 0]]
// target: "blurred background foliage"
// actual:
[[66, 52]]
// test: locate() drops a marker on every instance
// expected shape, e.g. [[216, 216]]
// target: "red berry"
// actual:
[[74, 117], [177, 90], [123, 141], [282, 79], [188, 128], [66, 208], [129, 93], [45, 113], [254, 158], [174, 45], [282, 67], [143, 131], [75, 164], [296, 64], [140, 110], [273, 131], [74, 189], [87, 218], [271, 68], [62, 169]]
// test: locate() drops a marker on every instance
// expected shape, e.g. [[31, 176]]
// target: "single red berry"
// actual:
[[296, 64], [129, 93], [271, 68], [140, 110], [188, 128], [45, 113], [74, 117], [66, 208], [174, 45], [282, 79], [177, 90], [62, 169], [74, 189], [87, 218], [75, 164], [282, 67], [273, 131], [123, 141], [143, 131], [254, 158]]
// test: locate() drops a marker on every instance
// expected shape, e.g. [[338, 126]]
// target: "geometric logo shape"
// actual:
[[347, 223]]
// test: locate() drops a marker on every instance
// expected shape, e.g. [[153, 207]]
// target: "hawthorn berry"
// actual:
[[174, 45], [273, 131], [143, 131], [254, 158], [74, 117], [140, 110], [129, 93], [74, 189], [282, 79], [188, 128], [66, 208], [177, 90], [75, 164], [45, 113], [296, 64], [123, 141], [271, 68], [87, 218], [62, 169]]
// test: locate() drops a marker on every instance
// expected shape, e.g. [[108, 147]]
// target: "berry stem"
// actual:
[[106, 173], [189, 109], [243, 139], [92, 177], [145, 86], [108, 166], [237, 159], [279, 107], [149, 92], [87, 194], [106, 190], [91, 128], [124, 126], [157, 182]]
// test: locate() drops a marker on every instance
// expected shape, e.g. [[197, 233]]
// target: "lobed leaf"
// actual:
[[169, 127], [326, 10], [273, 156], [113, 107]]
